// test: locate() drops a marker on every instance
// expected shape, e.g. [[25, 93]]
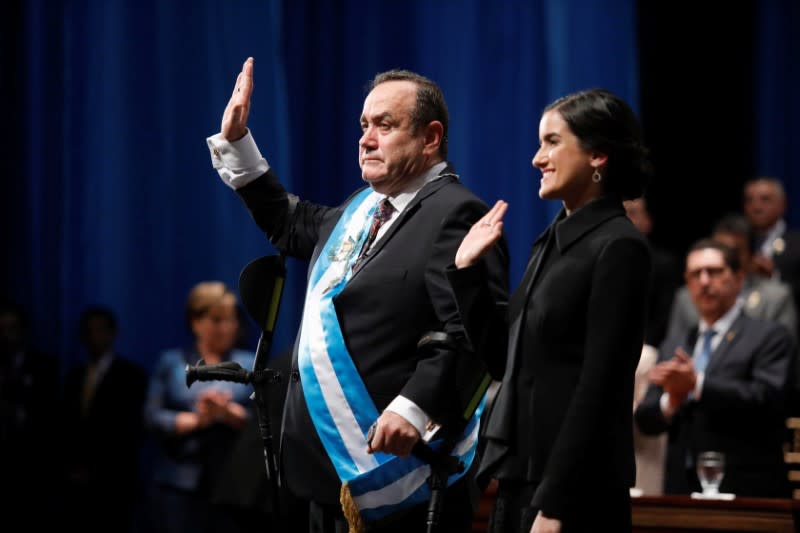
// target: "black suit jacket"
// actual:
[[398, 294], [787, 261], [577, 340], [105, 444], [740, 412]]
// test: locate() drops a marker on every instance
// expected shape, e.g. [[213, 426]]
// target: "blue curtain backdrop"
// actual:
[[113, 199], [778, 99], [108, 195]]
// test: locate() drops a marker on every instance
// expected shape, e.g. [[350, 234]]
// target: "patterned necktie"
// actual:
[[379, 216], [705, 351]]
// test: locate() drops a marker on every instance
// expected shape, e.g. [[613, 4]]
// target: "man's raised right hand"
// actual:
[[234, 119]]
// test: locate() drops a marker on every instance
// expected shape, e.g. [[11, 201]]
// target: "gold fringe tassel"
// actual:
[[350, 510]]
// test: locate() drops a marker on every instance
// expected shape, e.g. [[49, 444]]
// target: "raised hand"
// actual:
[[482, 236], [234, 119]]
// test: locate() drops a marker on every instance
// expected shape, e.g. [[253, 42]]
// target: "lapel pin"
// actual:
[[753, 300]]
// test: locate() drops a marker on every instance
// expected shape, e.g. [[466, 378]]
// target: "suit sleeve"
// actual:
[[483, 316], [291, 225], [764, 390], [159, 418], [786, 312], [435, 377], [615, 328]]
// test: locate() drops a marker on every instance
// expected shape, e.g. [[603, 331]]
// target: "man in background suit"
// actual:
[[28, 399], [103, 430], [776, 247], [763, 298], [730, 395], [376, 286]]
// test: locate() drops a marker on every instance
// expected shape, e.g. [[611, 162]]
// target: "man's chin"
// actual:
[[380, 184], [373, 178]]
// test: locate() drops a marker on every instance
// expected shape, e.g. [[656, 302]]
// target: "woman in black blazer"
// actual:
[[559, 436]]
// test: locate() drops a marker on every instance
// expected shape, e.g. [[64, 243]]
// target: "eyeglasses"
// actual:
[[711, 272]]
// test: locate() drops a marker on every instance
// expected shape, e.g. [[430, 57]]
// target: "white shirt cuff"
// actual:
[[239, 162], [666, 410], [411, 412], [698, 386]]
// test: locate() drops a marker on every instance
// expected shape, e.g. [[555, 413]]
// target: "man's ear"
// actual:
[[433, 134]]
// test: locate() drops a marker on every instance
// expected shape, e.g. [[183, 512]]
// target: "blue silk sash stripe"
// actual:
[[389, 473], [381, 484], [357, 395], [323, 420], [324, 259]]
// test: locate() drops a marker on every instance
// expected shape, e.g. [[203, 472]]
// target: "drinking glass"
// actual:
[[710, 471]]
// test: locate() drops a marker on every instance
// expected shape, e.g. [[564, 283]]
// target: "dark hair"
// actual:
[[775, 182], [204, 296], [729, 254], [737, 225], [430, 103], [97, 311], [604, 122]]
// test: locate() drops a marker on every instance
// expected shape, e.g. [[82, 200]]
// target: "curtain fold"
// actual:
[[777, 102], [113, 199]]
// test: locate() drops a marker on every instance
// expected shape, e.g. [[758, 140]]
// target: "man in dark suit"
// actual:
[[776, 247], [376, 286], [764, 298], [724, 387], [28, 398], [103, 430]]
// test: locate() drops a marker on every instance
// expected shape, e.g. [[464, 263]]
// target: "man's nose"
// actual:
[[367, 139]]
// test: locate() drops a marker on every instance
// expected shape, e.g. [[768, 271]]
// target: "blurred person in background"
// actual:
[[776, 247], [29, 381], [201, 430], [763, 298], [103, 429], [722, 386]]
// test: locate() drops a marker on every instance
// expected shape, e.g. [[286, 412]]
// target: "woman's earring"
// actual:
[[596, 176]]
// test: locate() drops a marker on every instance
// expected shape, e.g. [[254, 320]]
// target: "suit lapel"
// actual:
[[535, 263], [728, 341], [406, 214], [531, 273]]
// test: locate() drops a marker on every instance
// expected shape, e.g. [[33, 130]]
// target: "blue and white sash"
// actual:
[[337, 399]]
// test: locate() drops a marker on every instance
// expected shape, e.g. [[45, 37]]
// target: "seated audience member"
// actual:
[[723, 386], [762, 298], [664, 282], [776, 246], [102, 430]]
